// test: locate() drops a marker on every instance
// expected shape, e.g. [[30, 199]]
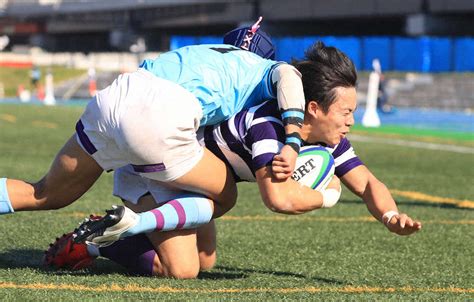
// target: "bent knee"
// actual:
[[176, 270], [46, 198], [225, 206], [179, 273], [52, 195], [207, 262]]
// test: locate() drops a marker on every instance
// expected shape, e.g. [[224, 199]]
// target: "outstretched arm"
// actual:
[[379, 201]]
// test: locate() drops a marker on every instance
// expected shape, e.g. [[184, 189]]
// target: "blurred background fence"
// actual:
[[423, 54]]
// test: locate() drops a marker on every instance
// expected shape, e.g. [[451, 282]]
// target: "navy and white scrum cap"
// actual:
[[252, 39]]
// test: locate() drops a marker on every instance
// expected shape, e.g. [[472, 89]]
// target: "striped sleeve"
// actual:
[[345, 158], [265, 136]]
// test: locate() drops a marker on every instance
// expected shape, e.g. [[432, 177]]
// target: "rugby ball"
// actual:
[[314, 167]]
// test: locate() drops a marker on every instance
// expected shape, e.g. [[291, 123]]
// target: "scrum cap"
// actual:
[[252, 39]]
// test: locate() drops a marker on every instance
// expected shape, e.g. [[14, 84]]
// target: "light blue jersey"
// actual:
[[225, 79]]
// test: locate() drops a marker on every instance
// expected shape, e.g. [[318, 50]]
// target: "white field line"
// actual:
[[133, 288], [413, 144]]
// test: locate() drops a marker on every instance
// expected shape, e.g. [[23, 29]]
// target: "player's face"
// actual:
[[333, 126]]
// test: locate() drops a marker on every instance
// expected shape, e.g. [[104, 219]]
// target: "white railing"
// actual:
[[103, 61]]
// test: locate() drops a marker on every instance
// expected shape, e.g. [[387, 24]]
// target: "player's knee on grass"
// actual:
[[173, 270], [177, 254], [207, 261], [176, 271], [181, 254]]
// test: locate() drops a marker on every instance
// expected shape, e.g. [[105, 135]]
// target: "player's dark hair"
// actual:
[[324, 69]]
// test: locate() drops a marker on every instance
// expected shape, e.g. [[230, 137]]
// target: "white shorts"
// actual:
[[130, 186], [145, 121]]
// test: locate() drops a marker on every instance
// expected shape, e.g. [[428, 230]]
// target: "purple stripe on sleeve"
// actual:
[[265, 130], [347, 166], [342, 147], [211, 144], [263, 160], [149, 168], [160, 220], [85, 141], [236, 146], [269, 108], [239, 122], [181, 213]]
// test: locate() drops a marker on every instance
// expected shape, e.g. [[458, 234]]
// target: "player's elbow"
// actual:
[[371, 184], [281, 204], [279, 196], [285, 70], [359, 190]]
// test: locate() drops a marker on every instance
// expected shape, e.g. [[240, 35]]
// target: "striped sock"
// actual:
[[182, 213]]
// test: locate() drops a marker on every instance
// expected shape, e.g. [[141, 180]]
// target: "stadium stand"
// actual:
[[57, 25]]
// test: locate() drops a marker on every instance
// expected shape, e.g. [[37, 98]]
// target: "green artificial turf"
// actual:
[[331, 254]]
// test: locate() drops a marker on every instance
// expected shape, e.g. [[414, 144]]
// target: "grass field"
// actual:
[[333, 254]]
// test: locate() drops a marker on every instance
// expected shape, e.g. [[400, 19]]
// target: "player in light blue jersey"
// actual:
[[246, 142], [149, 118], [225, 79]]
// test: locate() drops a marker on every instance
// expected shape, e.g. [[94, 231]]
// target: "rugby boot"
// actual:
[[107, 229]]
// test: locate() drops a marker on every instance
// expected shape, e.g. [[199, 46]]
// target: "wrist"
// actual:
[[294, 141], [293, 116], [330, 197], [388, 216]]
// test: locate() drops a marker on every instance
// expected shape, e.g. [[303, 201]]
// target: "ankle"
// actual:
[[5, 203]]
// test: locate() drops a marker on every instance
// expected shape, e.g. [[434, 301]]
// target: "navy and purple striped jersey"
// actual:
[[250, 139]]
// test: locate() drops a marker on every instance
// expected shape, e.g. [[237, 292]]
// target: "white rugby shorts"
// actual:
[[144, 121], [130, 186]]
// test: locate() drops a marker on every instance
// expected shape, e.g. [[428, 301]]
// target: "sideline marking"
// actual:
[[413, 144], [434, 199], [44, 124], [330, 219], [8, 118], [409, 194], [166, 289], [82, 215], [300, 218]]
